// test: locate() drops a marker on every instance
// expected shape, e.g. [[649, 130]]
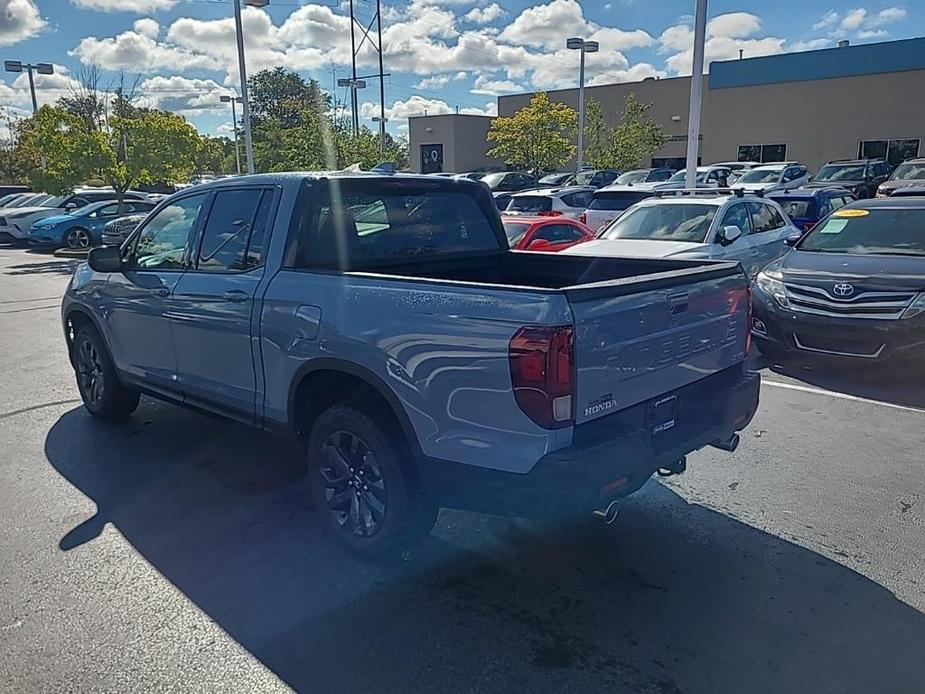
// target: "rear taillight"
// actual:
[[583, 218], [541, 361]]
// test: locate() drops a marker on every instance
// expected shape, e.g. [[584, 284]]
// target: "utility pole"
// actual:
[[353, 75], [577, 44], [242, 70], [225, 98], [382, 119], [693, 115]]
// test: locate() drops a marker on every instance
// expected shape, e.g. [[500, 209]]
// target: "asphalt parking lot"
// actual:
[[177, 553]]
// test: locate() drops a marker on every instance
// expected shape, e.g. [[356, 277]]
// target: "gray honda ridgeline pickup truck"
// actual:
[[384, 321]]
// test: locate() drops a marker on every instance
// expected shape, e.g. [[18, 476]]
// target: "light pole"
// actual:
[[225, 98], [693, 116], [41, 68], [239, 35], [576, 44], [354, 84], [381, 120]]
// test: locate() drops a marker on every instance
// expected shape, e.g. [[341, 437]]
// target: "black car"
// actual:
[[862, 177], [910, 173], [509, 181], [854, 286], [596, 178]]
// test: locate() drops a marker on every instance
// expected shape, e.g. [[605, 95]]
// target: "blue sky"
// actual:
[[442, 54]]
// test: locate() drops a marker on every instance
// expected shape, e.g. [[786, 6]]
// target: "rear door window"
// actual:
[[358, 224], [530, 203], [557, 233], [581, 199], [764, 217]]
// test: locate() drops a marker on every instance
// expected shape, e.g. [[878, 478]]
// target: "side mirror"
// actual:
[[70, 206], [809, 179], [793, 240], [538, 245], [105, 259], [729, 234]]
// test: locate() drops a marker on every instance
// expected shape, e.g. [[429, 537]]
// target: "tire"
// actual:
[[77, 238], [102, 393], [361, 483]]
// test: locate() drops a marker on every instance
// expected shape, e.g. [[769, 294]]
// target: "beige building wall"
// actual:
[[463, 137]]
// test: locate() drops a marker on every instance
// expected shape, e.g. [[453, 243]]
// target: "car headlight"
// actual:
[[770, 282], [43, 227], [916, 307]]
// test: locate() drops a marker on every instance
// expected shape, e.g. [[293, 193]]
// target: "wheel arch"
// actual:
[[76, 317]]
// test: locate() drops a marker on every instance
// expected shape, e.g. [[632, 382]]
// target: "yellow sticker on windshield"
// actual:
[[850, 213]]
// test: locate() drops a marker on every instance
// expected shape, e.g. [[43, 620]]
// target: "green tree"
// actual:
[[537, 137], [598, 143], [284, 97], [637, 137], [215, 155]]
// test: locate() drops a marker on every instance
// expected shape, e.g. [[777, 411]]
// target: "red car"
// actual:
[[545, 233]]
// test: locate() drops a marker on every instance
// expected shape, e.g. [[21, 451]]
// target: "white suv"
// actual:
[[768, 177], [697, 224], [551, 202]]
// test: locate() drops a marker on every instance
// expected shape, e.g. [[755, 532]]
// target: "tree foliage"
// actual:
[[597, 142], [283, 97], [537, 137], [637, 137]]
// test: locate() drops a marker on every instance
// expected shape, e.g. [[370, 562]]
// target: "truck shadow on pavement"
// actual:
[[51, 267], [673, 598]]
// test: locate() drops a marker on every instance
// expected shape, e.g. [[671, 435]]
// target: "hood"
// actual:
[[55, 219], [25, 211], [773, 185], [833, 184], [893, 185], [865, 272], [635, 248]]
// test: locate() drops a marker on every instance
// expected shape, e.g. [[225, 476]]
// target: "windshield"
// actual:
[[583, 178], [885, 231], [530, 203], [909, 172], [555, 179], [680, 177], [797, 207], [515, 232], [491, 180], [633, 177], [664, 222], [840, 172], [760, 176]]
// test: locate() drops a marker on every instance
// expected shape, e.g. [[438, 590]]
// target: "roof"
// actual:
[[827, 63], [708, 198], [805, 192], [557, 190], [900, 203], [288, 176], [535, 219]]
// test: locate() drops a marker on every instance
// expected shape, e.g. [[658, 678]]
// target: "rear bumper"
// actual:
[[609, 458]]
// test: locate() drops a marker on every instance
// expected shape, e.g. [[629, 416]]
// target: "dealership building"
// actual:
[[812, 107]]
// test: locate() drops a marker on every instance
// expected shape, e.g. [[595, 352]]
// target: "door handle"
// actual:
[[162, 292], [235, 295]]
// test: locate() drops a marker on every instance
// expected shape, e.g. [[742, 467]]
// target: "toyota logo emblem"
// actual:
[[843, 289]]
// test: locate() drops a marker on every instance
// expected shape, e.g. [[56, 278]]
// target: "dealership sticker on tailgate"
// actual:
[[662, 414]]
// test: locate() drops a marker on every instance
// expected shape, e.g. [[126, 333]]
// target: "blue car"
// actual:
[[83, 227], [806, 206]]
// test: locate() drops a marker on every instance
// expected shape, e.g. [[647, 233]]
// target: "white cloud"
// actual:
[[829, 19], [125, 5], [225, 129], [484, 15], [440, 81], [810, 45], [885, 16], [147, 27], [183, 95], [138, 53], [48, 89], [873, 33], [417, 105], [19, 20], [853, 19], [484, 85], [727, 34]]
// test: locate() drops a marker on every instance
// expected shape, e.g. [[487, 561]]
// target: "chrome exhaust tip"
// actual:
[[729, 444], [610, 513]]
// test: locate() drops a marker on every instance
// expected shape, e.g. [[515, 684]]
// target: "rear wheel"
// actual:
[[102, 393], [77, 238], [361, 482]]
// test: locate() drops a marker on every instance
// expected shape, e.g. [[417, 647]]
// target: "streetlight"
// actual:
[[693, 117], [239, 36], [225, 98], [381, 121], [41, 68], [576, 44], [354, 84]]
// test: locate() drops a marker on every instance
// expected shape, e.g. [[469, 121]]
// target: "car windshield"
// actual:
[[909, 172], [633, 177], [491, 180], [555, 179], [760, 176], [797, 207], [515, 232], [530, 203], [680, 177], [841, 172], [883, 231], [664, 222]]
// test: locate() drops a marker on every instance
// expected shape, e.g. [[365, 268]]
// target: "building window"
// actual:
[[894, 151], [762, 153], [431, 158], [676, 163]]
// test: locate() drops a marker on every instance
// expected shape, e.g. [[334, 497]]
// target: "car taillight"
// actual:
[[541, 361], [583, 218], [808, 225]]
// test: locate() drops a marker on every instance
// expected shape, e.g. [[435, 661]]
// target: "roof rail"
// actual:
[[691, 192]]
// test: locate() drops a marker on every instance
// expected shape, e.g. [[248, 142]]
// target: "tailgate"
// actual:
[[647, 337]]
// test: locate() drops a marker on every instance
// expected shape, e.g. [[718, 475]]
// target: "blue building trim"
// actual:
[[866, 59]]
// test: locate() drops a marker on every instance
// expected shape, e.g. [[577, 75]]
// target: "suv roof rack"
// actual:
[[693, 192]]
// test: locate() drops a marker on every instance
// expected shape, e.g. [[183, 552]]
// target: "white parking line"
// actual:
[[843, 396]]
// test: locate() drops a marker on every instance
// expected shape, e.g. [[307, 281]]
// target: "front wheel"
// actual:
[[77, 239], [361, 484], [102, 393]]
